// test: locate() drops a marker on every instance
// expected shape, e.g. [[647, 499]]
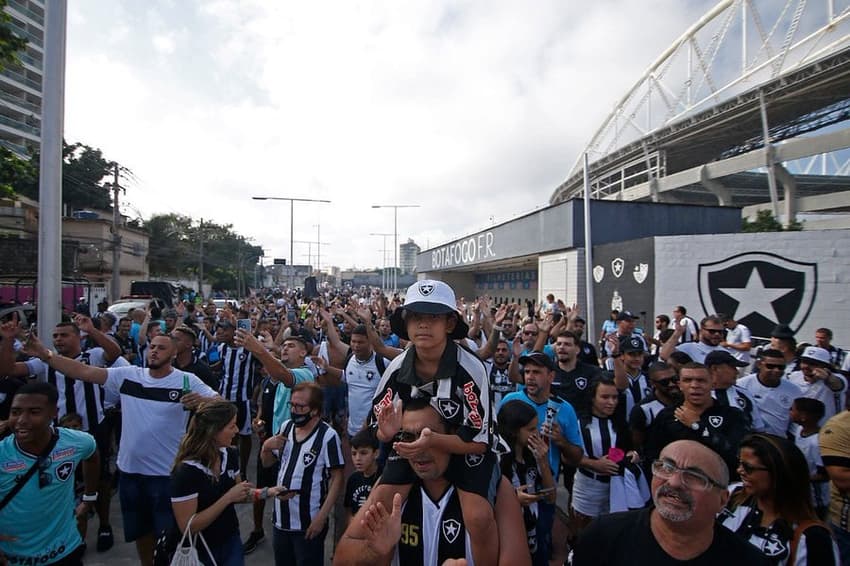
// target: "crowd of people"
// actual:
[[450, 432]]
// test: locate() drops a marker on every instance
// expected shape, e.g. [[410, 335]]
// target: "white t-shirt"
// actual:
[[739, 335], [698, 351], [153, 421], [362, 379], [810, 448], [832, 400], [774, 403]]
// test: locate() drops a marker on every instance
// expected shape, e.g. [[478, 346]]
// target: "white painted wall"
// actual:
[[677, 260], [561, 274]]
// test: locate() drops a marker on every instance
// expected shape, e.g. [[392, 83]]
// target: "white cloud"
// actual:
[[470, 110]]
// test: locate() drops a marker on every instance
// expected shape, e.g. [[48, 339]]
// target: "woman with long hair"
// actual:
[[772, 509], [205, 483], [525, 463], [607, 447]]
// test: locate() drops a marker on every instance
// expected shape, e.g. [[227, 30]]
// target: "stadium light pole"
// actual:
[[291, 228], [384, 278], [395, 208]]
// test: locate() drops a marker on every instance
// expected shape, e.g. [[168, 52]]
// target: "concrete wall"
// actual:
[[798, 278]]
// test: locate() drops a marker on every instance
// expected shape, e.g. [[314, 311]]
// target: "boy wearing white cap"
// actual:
[[456, 385], [817, 380]]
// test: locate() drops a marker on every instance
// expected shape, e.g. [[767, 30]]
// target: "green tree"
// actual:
[[86, 177], [15, 173], [766, 222], [10, 43], [175, 247]]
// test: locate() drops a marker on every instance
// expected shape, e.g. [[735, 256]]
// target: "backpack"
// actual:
[[379, 362]]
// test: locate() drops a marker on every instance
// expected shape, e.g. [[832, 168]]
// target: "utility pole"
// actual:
[[115, 284], [201, 258], [50, 181]]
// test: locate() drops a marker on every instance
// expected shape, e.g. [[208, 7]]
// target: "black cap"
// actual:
[[538, 359], [626, 315], [722, 357], [631, 344], [782, 331]]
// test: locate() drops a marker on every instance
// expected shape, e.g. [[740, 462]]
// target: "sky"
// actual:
[[474, 111]]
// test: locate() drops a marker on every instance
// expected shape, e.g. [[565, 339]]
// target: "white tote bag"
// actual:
[[188, 555]]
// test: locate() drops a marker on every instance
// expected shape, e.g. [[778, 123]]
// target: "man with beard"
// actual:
[[125, 341], [501, 382], [386, 333], [586, 351], [711, 334], [572, 376], [689, 488], [152, 402]]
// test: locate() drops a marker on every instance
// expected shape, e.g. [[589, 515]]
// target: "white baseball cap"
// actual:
[[816, 354], [429, 297]]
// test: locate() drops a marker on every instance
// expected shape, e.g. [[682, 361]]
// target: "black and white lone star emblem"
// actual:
[[451, 528], [448, 408], [309, 458], [65, 471], [617, 266], [759, 290], [173, 394], [426, 289], [581, 382], [473, 460], [715, 421]]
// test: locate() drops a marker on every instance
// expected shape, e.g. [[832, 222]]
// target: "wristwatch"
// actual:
[[695, 425]]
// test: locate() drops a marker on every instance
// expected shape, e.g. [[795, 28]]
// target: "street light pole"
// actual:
[[291, 228], [395, 208], [384, 278]]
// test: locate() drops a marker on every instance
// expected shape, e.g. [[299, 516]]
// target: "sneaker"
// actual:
[[105, 540], [255, 538]]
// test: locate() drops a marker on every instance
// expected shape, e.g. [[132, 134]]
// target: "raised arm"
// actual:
[[337, 349], [111, 349], [71, 368], [8, 365], [670, 345], [271, 364], [378, 345], [494, 333]]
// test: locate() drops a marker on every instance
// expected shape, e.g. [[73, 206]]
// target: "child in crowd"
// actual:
[[805, 414], [364, 456], [525, 463], [454, 381], [75, 422]]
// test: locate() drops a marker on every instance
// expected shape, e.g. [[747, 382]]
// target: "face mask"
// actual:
[[300, 420]]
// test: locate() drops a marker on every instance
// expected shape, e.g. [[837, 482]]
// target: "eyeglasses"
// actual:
[[529, 332], [775, 366], [666, 382], [749, 469], [298, 406], [713, 330], [44, 477], [692, 479]]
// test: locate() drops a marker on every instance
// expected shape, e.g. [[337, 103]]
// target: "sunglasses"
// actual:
[[406, 436], [749, 468], [713, 330], [666, 382], [775, 366]]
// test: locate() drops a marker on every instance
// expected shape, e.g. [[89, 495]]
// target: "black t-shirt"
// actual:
[[587, 354], [720, 428], [8, 387], [573, 386], [203, 371], [357, 490], [627, 539], [191, 479]]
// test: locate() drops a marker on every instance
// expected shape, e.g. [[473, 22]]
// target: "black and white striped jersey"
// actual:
[[305, 467], [238, 371], [431, 531]]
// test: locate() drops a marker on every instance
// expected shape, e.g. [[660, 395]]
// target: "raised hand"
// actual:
[[383, 529]]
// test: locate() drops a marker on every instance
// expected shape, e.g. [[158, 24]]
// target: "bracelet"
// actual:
[[264, 493], [90, 497], [48, 357]]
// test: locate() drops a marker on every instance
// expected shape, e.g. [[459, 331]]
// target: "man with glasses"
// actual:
[[689, 488], [711, 334], [38, 525], [773, 394], [699, 417], [311, 468]]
